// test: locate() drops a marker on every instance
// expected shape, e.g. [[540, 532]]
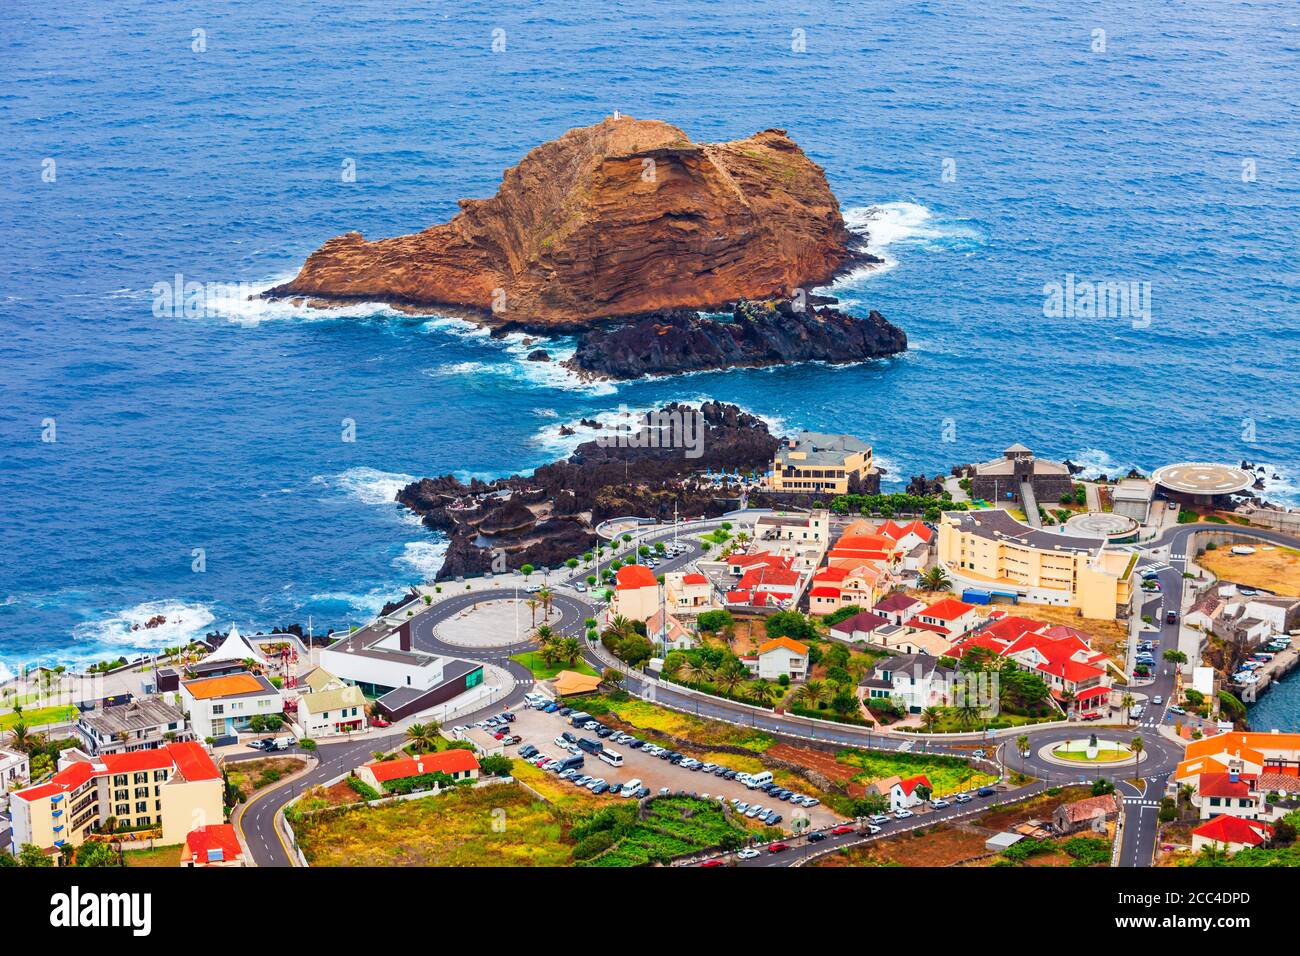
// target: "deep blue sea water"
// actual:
[[222, 431]]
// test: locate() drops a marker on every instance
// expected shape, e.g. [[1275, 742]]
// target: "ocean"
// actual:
[[196, 464]]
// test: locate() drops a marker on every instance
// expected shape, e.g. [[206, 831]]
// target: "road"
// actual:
[[256, 818]]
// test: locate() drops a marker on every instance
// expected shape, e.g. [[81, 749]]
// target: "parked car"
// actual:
[[962, 798], [878, 818], [1171, 617], [873, 829], [778, 847], [902, 814], [940, 804], [816, 837], [748, 853], [985, 792], [1157, 700]]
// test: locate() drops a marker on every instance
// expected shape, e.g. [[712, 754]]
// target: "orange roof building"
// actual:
[[216, 844], [458, 764]]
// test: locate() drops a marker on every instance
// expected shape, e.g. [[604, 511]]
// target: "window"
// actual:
[[121, 809], [218, 708], [141, 778], [142, 807], [121, 794], [119, 780]]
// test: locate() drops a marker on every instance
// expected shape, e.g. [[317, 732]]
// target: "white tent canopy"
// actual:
[[235, 647]]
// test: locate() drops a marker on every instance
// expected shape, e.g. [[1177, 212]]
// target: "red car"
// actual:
[[841, 830], [379, 722], [499, 735], [778, 847], [713, 863]]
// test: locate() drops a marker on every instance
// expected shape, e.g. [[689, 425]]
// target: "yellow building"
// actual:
[[817, 463], [174, 788], [992, 551]]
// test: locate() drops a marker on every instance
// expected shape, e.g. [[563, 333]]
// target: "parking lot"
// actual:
[[540, 729]]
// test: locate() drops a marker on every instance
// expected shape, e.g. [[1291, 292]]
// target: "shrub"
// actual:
[[593, 845], [363, 789]]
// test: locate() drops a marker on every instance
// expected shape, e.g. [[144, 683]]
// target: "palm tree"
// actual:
[[764, 692], [533, 605], [1136, 745], [569, 649], [730, 676], [968, 712], [20, 738], [935, 579], [815, 691], [546, 597], [1127, 703], [1022, 745], [544, 635], [930, 718], [424, 737]]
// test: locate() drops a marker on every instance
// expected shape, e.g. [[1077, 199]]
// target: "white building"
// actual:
[[781, 655], [915, 681], [15, 768], [335, 710], [223, 706]]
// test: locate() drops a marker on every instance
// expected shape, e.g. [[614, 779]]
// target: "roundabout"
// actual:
[[1090, 752]]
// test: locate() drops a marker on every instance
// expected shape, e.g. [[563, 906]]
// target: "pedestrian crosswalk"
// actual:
[[1155, 568], [1139, 802]]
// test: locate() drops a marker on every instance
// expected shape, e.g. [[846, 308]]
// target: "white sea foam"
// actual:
[[366, 605], [371, 486], [1096, 462], [126, 629], [891, 226], [561, 446], [232, 301], [1282, 489], [424, 557]]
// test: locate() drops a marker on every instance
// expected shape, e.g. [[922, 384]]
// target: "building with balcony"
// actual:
[[223, 706], [140, 724], [815, 463], [172, 788], [990, 550]]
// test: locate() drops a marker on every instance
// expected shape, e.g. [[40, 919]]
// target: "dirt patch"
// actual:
[[942, 845], [1040, 807], [822, 763], [1276, 570], [253, 775]]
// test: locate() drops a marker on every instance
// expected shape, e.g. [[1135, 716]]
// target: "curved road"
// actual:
[[256, 818]]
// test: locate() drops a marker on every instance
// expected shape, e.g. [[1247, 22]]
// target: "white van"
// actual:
[[612, 757], [757, 780], [632, 786]]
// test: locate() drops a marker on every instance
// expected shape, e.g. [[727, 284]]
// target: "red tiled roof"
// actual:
[[825, 591], [188, 758], [831, 574], [1091, 692], [778, 577], [695, 579], [449, 761], [1011, 628], [633, 576], [900, 531], [1222, 785], [898, 601], [1226, 828], [947, 610], [911, 783], [214, 836], [922, 626], [193, 762]]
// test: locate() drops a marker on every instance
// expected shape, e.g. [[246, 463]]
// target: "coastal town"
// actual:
[[740, 652]]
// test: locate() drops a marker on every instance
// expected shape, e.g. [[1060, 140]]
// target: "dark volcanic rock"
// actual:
[[923, 486], [601, 479], [758, 333], [539, 355]]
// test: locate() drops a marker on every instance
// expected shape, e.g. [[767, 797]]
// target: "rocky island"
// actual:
[[629, 223]]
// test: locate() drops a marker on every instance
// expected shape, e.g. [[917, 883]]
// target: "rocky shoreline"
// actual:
[[756, 334], [549, 516]]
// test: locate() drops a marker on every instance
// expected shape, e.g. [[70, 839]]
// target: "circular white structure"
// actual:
[[1203, 478], [1102, 524]]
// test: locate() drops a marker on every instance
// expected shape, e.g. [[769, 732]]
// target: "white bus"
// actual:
[[612, 757]]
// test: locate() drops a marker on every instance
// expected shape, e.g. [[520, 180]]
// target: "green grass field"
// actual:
[[542, 671], [40, 716]]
